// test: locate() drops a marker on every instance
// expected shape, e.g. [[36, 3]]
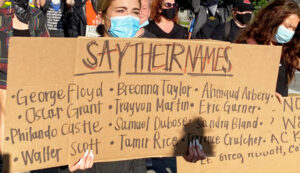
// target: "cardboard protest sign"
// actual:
[[131, 98], [271, 143]]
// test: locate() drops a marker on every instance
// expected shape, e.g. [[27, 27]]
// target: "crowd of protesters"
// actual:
[[276, 24]]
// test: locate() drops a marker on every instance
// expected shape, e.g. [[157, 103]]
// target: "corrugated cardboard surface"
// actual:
[[130, 98]]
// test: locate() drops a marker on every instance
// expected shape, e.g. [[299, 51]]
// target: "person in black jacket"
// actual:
[[208, 15], [77, 21], [241, 16]]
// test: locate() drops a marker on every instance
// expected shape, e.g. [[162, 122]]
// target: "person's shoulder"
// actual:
[[152, 27], [222, 26], [179, 31], [148, 34], [219, 32], [7, 8], [151, 24], [35, 11], [179, 27]]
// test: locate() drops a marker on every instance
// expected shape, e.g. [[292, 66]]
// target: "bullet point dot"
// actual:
[[111, 89], [7, 138], [112, 143], [261, 123], [258, 108], [15, 159], [110, 124], [13, 96], [264, 141], [272, 96], [110, 107], [192, 104], [196, 89], [20, 116]]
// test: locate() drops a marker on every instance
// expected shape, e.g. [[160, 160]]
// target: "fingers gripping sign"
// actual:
[[85, 162], [195, 152]]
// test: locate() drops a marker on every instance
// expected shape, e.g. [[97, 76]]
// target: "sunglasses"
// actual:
[[170, 5]]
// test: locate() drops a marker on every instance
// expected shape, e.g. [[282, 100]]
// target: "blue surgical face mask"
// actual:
[[283, 35], [55, 4], [124, 26], [56, 7], [144, 24]]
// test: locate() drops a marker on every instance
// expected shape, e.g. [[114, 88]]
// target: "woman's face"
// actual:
[[168, 4], [286, 29], [168, 9], [121, 8], [291, 22], [145, 11]]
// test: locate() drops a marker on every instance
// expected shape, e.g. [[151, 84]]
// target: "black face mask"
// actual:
[[169, 13], [22, 10], [243, 18]]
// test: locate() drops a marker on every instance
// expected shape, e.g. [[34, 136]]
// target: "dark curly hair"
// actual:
[[291, 55], [155, 14], [267, 21]]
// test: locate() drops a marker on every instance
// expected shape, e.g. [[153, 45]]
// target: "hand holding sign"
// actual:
[[84, 163], [195, 152]]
